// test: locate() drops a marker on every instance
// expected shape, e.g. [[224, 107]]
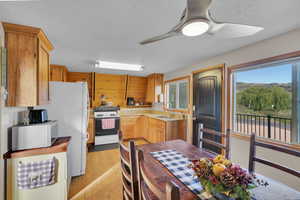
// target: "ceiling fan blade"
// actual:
[[229, 30], [198, 8], [158, 38], [176, 30]]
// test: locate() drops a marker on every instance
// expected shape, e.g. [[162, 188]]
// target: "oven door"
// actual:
[[99, 131]]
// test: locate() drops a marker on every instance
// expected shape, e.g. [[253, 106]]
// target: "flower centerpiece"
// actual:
[[220, 176]]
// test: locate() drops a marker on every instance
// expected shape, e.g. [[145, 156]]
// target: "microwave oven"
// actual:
[[33, 135]]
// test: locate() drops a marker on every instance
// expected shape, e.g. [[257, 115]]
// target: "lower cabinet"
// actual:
[[156, 130], [151, 129], [91, 131], [128, 126]]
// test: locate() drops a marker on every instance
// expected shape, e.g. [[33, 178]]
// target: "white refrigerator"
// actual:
[[69, 105]]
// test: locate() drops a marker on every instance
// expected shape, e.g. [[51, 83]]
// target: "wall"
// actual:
[[278, 45], [8, 118]]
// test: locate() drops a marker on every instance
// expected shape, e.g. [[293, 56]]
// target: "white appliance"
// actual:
[[106, 136], [69, 105], [33, 135]]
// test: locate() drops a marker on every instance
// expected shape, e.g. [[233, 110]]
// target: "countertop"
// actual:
[[60, 145], [155, 116]]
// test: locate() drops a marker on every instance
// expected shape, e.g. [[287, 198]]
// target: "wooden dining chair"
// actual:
[[253, 158], [147, 190], [129, 170], [225, 148]]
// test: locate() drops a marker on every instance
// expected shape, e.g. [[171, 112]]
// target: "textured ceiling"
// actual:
[[83, 31]]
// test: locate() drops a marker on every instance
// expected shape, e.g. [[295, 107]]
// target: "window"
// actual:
[[177, 94], [266, 101]]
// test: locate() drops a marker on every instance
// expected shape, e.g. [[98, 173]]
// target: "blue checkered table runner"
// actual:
[[177, 164]]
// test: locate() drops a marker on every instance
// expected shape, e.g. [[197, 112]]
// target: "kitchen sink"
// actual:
[[162, 116]]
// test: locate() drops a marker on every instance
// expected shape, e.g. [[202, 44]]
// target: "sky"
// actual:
[[278, 74]]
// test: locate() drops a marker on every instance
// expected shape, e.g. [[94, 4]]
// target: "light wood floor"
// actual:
[[102, 179]]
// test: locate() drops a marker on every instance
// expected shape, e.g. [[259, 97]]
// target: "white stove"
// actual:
[[106, 136]]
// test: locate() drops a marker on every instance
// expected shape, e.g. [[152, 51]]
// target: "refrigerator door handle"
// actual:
[[88, 136]]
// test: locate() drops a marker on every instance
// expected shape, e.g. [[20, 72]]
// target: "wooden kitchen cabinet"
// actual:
[[137, 88], [128, 126], [156, 131], [43, 74], [161, 131], [134, 127], [151, 129], [141, 130], [91, 131], [154, 87], [58, 73], [27, 65]]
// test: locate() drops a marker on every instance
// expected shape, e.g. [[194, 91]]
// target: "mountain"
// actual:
[[242, 85]]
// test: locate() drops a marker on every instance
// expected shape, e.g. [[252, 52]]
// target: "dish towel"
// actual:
[[108, 123], [36, 174]]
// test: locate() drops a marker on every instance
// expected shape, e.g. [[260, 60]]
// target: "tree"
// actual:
[[265, 98], [281, 99]]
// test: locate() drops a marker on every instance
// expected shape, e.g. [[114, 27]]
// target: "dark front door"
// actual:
[[208, 105]]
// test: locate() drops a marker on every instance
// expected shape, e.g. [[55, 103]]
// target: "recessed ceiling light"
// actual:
[[118, 66], [195, 28]]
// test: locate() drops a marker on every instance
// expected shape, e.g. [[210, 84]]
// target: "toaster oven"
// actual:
[[33, 135]]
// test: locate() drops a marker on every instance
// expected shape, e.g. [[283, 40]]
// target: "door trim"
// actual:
[[223, 96]]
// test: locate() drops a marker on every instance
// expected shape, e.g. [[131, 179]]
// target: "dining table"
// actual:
[[160, 175]]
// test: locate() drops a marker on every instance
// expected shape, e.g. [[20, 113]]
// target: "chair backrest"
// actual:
[[148, 190], [253, 158], [129, 169], [224, 137]]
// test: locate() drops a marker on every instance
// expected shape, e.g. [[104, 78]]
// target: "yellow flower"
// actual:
[[218, 169], [227, 162], [219, 159]]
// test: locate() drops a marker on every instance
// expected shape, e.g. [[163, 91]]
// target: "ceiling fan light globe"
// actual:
[[195, 28]]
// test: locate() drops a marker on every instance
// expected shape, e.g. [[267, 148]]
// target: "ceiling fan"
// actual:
[[197, 20]]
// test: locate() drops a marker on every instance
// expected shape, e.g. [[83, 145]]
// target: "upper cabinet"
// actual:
[[136, 88], [58, 73], [82, 77], [112, 86], [27, 65], [154, 88]]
